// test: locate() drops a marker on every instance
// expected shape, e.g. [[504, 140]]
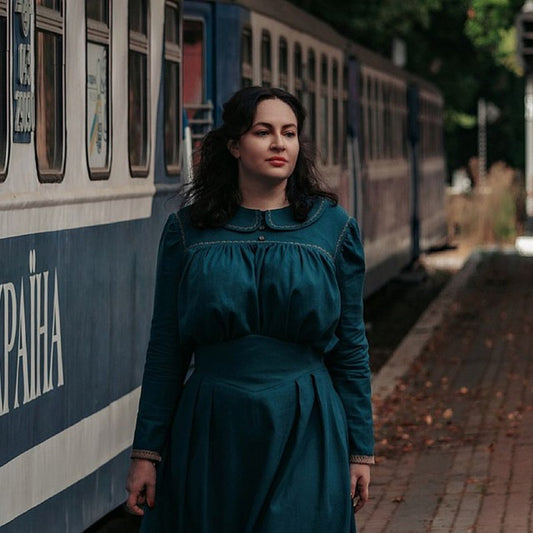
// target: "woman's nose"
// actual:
[[278, 142]]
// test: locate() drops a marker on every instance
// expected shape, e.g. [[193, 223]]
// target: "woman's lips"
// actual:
[[277, 161]]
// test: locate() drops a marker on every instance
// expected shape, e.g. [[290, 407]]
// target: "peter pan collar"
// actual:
[[248, 220]]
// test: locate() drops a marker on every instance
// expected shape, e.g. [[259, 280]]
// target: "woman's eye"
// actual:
[[261, 133], [290, 134]]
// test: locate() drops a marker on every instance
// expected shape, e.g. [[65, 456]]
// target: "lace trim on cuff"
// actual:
[[362, 459], [146, 454]]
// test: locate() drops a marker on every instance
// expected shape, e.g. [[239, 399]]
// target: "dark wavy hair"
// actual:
[[214, 192]]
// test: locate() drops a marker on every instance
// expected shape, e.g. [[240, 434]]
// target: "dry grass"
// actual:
[[492, 213]]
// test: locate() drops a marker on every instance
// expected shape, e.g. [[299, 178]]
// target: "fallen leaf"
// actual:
[[448, 413]]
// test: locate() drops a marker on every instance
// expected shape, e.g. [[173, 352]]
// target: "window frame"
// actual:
[[335, 126], [139, 43], [247, 72], [173, 53], [310, 92], [98, 32], [51, 21], [6, 97], [266, 59], [283, 61], [298, 71], [324, 108]]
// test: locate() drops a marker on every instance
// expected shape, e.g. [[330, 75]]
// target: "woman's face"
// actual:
[[269, 149]]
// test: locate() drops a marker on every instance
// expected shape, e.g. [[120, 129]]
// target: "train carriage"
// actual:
[[96, 100], [91, 156]]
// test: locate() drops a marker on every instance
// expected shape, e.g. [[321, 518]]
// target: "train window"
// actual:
[[246, 58], [387, 121], [311, 94], [49, 88], [4, 92], [398, 118], [172, 87], [283, 64], [266, 59], [366, 102], [298, 72], [138, 88], [335, 111], [98, 91], [344, 123], [377, 109], [324, 123]]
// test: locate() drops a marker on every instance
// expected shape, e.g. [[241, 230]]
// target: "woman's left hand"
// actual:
[[359, 482]]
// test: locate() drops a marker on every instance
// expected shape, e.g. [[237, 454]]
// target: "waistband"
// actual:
[[256, 358]]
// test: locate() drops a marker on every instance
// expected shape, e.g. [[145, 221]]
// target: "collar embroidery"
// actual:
[[248, 220]]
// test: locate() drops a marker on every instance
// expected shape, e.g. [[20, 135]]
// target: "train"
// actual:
[[101, 106]]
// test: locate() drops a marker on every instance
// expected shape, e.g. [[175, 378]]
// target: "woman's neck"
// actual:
[[264, 198]]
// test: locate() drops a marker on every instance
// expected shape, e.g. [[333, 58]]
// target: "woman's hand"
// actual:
[[359, 482], [140, 485]]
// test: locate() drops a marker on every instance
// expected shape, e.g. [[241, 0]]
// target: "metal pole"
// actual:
[[482, 139], [528, 109]]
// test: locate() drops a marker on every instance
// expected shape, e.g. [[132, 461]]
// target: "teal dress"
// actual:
[[257, 439]]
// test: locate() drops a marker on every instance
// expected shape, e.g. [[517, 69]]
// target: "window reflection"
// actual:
[[266, 60], [138, 88], [97, 89], [4, 91], [172, 88], [49, 98]]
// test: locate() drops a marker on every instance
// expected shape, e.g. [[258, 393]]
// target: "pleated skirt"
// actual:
[[258, 445]]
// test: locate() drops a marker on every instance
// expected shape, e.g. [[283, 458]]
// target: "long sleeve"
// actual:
[[166, 360], [348, 362]]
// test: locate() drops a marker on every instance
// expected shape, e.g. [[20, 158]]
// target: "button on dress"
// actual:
[[257, 438]]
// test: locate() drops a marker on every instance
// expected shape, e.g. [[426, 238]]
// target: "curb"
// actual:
[[385, 380]]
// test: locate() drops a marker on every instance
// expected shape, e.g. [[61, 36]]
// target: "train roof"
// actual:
[[300, 20], [294, 17]]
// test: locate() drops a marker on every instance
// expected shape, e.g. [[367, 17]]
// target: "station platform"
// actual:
[[454, 410]]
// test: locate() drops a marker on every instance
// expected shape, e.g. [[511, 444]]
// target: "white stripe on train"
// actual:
[[66, 458]]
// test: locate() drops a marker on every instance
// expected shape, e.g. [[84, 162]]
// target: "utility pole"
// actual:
[[482, 139], [524, 26]]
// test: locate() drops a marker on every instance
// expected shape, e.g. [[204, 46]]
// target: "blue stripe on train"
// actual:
[[102, 278]]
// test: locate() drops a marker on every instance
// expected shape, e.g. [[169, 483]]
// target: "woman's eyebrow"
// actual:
[[268, 125]]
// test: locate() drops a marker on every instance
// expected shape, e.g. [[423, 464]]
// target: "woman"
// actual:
[[261, 277]]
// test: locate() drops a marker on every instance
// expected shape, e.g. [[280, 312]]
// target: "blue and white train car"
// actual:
[[94, 98], [89, 164]]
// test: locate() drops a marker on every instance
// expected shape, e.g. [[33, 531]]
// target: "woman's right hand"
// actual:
[[140, 485]]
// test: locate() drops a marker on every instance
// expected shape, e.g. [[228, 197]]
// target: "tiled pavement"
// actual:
[[455, 437]]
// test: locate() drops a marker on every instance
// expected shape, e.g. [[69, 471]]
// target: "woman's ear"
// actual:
[[233, 147]]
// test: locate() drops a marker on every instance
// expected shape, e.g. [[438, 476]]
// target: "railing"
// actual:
[[200, 118]]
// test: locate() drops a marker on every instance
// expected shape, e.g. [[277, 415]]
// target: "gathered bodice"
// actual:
[[261, 274]]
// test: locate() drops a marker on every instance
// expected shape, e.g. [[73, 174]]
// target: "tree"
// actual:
[[466, 47]]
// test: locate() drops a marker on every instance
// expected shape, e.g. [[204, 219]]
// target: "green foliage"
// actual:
[[465, 47], [490, 27]]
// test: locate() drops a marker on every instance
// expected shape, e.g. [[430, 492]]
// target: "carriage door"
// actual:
[[197, 82]]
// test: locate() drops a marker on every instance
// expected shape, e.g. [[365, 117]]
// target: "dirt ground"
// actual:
[[393, 310]]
